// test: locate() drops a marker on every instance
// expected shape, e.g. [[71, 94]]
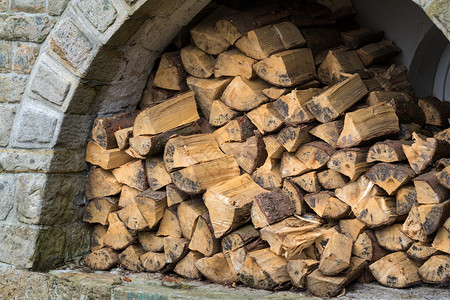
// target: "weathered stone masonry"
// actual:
[[61, 65]]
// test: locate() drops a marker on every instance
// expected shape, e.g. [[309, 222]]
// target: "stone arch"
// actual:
[[95, 61]]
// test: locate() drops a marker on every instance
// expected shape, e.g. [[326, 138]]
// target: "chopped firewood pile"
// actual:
[[278, 148]]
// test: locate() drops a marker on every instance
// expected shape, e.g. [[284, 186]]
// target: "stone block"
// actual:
[[100, 13], [78, 239], [74, 131], [50, 249], [56, 7], [25, 57], [7, 114], [18, 244], [7, 194], [4, 5], [23, 284], [25, 28], [12, 87], [42, 161], [29, 6], [5, 57]]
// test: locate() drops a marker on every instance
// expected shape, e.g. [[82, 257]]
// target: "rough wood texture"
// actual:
[[292, 107], [441, 241], [406, 197], [175, 195], [101, 259], [444, 177], [270, 207], [295, 195], [129, 258], [315, 154], [329, 105], [336, 255], [101, 183], [349, 162], [107, 159], [392, 238], [367, 247], [175, 249], [387, 151], [153, 262], [188, 212], [351, 227], [132, 217], [123, 137], [390, 177], [273, 147], [239, 238], [171, 74], [308, 182], [118, 236], [197, 62], [98, 209], [291, 137], [229, 203], [337, 62], [132, 174], [152, 205], [291, 166], [217, 268], [203, 239], [186, 266], [265, 118], [429, 190], [170, 225], [298, 269], [98, 236], [328, 132], [150, 242], [268, 175], [436, 111], [378, 52], [234, 63], [177, 111], [358, 38], [157, 176], [436, 270], [221, 114], [421, 252], [327, 206], [104, 128], [331, 179], [237, 130], [243, 94]]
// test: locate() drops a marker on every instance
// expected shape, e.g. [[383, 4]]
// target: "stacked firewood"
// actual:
[[308, 162]]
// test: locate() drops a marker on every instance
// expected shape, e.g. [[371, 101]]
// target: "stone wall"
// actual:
[[61, 65]]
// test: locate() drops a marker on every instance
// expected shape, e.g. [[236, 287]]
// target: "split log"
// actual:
[[203, 239], [107, 159], [123, 137], [263, 269], [98, 209], [392, 238], [221, 114], [390, 177], [376, 211], [423, 152], [330, 286], [298, 269], [206, 91], [406, 197], [336, 255], [331, 179], [268, 175], [171, 74], [237, 130], [152, 205], [327, 206], [205, 37], [421, 252], [308, 182], [292, 107], [250, 154], [238, 256], [104, 128], [315, 154], [387, 151], [153, 262], [197, 178], [141, 145], [243, 94], [287, 68], [376, 97], [367, 247], [441, 241], [157, 176], [295, 195], [429, 190], [101, 259], [376, 53], [118, 236], [150, 242], [328, 132], [172, 113], [444, 177], [392, 78], [98, 237], [275, 92], [175, 249], [291, 137], [188, 212], [349, 162], [234, 63], [270, 207], [186, 266], [217, 268], [352, 228], [229, 203], [170, 225], [436, 112], [368, 123], [407, 111], [329, 105], [337, 62], [436, 270], [239, 238], [196, 62], [101, 183], [132, 174], [265, 118], [395, 270], [354, 192], [132, 217], [264, 41], [273, 147], [443, 136], [358, 38], [175, 195], [129, 258], [291, 166]]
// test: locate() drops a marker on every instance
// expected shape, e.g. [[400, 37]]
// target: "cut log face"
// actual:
[[237, 257], [152, 205], [104, 128], [243, 94], [443, 136], [352, 228], [170, 225], [268, 175], [292, 107], [273, 146], [444, 177], [229, 203], [367, 247], [368, 123], [186, 266], [141, 145], [392, 238], [196, 62], [275, 92], [153, 262], [175, 249], [175, 195], [203, 239], [441, 241], [118, 236], [266, 118], [264, 270], [150, 242], [308, 182], [106, 159], [406, 197], [291, 165], [287, 68], [298, 269], [330, 286], [436, 270], [436, 112], [387, 151], [221, 114], [390, 177], [98, 209], [327, 206], [331, 179], [295, 195], [132, 174], [315, 154], [429, 190], [97, 237], [328, 132], [217, 268], [336, 256], [132, 217], [239, 238], [349, 162], [270, 207], [421, 252], [237, 130], [291, 137], [360, 37], [123, 137], [129, 258], [101, 259], [171, 74], [197, 178], [234, 63], [354, 192], [376, 211], [264, 41], [329, 105], [157, 176], [378, 52], [337, 62], [206, 91], [188, 212], [395, 270]]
